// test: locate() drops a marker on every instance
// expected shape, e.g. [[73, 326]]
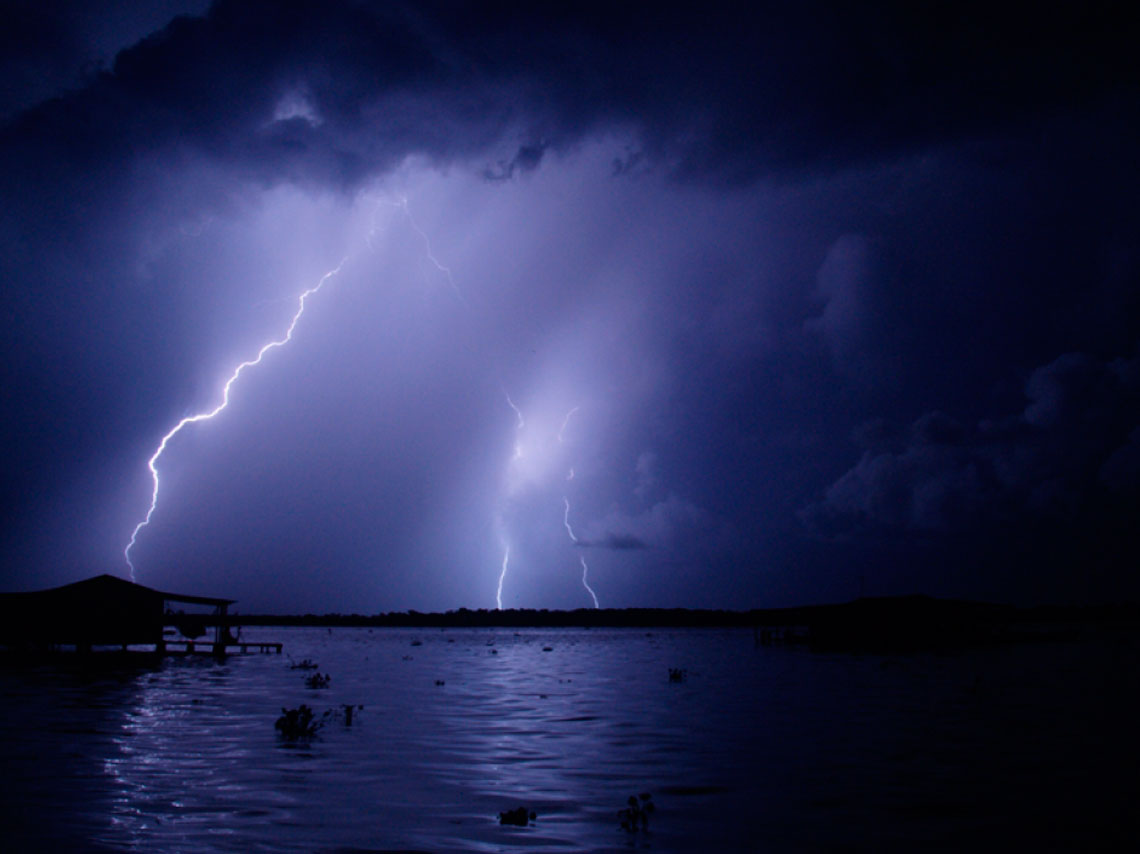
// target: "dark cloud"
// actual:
[[615, 542], [671, 523], [745, 239], [40, 54], [1074, 439], [526, 159], [848, 286], [712, 91], [49, 47]]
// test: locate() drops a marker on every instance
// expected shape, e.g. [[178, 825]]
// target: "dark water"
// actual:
[[766, 749]]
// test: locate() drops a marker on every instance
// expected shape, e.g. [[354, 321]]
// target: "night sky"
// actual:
[[740, 310]]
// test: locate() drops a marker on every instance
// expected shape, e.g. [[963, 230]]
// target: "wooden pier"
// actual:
[[112, 614], [189, 647]]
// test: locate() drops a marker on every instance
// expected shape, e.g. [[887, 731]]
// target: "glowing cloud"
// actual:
[[537, 456]]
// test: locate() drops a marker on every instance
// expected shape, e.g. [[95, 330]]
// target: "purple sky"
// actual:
[[791, 305]]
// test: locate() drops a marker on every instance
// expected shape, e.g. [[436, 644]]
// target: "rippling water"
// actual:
[[769, 748]]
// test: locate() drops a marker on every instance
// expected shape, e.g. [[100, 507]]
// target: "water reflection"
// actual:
[[558, 723], [60, 723], [177, 759], [772, 748]]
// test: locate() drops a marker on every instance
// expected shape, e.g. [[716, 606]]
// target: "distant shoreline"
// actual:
[[869, 622]]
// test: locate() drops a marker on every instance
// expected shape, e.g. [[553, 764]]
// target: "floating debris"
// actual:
[[417, 643], [318, 680], [299, 723], [677, 674], [439, 682], [303, 664], [519, 817], [636, 816], [349, 708], [548, 649]]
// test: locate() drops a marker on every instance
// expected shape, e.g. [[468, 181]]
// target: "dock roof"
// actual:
[[103, 610], [110, 585]]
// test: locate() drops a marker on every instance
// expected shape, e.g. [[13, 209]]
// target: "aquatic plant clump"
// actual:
[[520, 817], [636, 815], [299, 722], [318, 680]]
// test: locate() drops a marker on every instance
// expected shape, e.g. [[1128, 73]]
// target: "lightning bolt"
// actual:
[[519, 424], [566, 516], [565, 421], [518, 412], [402, 203], [518, 427], [152, 463], [586, 582], [581, 557], [566, 520], [503, 573]]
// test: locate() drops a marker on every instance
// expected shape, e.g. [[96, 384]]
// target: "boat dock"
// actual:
[[106, 613], [189, 647]]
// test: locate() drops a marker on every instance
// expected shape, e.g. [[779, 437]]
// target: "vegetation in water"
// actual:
[[299, 723], [302, 722], [318, 680], [519, 817], [636, 815]]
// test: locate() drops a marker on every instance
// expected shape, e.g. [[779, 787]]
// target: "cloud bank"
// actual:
[[728, 240]]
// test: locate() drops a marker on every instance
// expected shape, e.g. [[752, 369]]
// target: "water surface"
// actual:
[[757, 748]]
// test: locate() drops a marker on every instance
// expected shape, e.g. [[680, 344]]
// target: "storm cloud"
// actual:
[[658, 265], [1074, 440]]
